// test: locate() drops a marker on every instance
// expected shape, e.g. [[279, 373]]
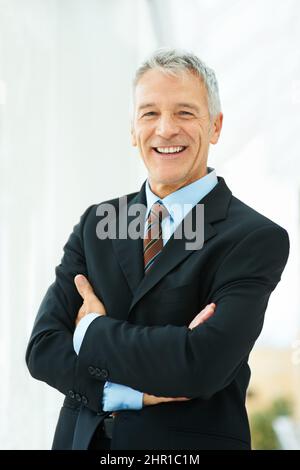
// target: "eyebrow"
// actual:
[[184, 105], [188, 105]]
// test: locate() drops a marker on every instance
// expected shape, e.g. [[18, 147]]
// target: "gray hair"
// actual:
[[175, 61]]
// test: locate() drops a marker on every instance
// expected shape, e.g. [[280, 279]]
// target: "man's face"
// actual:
[[171, 114]]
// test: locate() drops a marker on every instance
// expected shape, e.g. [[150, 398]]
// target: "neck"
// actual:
[[162, 190]]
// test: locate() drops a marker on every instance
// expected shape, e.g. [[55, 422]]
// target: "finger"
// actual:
[[167, 399], [204, 315], [181, 399], [201, 319], [209, 306], [207, 310], [83, 286]]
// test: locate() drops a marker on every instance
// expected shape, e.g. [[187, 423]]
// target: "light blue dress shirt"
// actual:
[[120, 397]]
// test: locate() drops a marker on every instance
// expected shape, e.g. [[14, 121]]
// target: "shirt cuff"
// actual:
[[120, 397], [81, 328]]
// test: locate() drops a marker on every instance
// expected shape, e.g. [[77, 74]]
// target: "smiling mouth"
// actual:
[[169, 151]]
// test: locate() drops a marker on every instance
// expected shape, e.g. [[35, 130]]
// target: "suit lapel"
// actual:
[[130, 252]]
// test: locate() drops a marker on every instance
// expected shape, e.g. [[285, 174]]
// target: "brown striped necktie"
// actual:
[[153, 242]]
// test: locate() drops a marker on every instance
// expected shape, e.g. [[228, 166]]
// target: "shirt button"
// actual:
[[71, 394]]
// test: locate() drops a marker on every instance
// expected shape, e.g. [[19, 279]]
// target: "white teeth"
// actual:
[[169, 149]]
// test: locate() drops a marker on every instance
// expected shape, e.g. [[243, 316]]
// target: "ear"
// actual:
[[133, 135], [216, 128]]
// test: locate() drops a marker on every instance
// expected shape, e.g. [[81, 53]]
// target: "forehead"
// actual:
[[158, 86]]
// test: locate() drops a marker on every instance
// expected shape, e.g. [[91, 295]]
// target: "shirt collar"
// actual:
[[180, 202]]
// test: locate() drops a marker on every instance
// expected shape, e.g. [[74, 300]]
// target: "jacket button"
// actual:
[[91, 370], [71, 394], [104, 373], [84, 400], [78, 397]]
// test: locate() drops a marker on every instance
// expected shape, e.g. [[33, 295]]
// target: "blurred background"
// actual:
[[65, 88]]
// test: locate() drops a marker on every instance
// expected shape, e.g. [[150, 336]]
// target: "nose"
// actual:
[[166, 127]]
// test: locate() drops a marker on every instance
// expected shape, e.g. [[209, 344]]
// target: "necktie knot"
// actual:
[[158, 212]]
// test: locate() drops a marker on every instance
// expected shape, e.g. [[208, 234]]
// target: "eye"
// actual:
[[150, 113], [185, 113]]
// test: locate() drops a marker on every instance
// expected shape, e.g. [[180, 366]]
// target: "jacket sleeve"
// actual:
[[176, 361], [50, 355]]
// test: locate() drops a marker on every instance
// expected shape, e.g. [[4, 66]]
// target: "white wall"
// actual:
[[65, 71]]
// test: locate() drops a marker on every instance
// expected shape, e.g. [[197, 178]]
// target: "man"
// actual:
[[144, 369]]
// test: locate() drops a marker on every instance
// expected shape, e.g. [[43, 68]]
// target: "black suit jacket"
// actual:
[[144, 341]]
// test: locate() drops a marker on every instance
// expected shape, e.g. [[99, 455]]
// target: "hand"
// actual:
[[91, 303], [201, 317], [204, 315]]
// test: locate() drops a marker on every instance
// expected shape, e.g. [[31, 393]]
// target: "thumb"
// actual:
[[83, 286]]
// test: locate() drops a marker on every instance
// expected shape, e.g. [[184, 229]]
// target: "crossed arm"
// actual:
[[93, 307], [163, 361]]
